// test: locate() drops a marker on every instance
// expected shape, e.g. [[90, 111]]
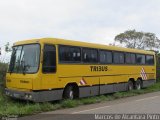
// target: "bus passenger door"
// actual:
[[49, 67]]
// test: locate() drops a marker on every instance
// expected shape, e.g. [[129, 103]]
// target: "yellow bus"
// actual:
[[50, 69]]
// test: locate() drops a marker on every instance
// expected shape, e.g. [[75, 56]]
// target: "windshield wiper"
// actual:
[[24, 67], [11, 67]]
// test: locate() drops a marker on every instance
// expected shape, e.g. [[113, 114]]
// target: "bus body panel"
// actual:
[[19, 81], [114, 74]]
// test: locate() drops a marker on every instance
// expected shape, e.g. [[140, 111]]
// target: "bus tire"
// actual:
[[69, 92], [130, 85], [138, 84]]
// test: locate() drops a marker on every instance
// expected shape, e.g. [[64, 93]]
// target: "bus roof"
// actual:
[[82, 44]]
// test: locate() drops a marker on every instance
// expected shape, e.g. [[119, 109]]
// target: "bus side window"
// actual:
[[118, 57], [140, 59], [149, 59], [133, 58], [130, 58], [69, 54], [90, 55], [49, 59], [105, 57]]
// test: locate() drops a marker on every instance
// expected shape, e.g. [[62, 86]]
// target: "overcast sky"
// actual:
[[84, 20]]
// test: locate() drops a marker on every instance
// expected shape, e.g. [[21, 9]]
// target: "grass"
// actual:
[[21, 108]]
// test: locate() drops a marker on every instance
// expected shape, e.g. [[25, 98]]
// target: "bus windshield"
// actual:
[[25, 59]]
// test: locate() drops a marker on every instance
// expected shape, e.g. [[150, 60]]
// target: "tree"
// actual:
[[7, 50], [139, 40], [7, 47]]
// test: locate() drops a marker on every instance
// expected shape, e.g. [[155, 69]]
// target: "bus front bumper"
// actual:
[[24, 95], [40, 96]]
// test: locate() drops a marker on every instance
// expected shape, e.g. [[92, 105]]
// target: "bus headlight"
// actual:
[[8, 93], [28, 96]]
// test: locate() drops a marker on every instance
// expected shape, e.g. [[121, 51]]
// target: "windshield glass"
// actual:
[[25, 58]]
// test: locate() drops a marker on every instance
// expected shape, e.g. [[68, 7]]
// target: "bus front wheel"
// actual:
[[69, 92]]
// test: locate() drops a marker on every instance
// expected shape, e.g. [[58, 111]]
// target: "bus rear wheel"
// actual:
[[138, 85], [130, 85], [69, 92]]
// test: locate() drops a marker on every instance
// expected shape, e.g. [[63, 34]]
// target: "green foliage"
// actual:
[[7, 47], [3, 66], [69, 103], [90, 100], [139, 40], [3, 69]]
